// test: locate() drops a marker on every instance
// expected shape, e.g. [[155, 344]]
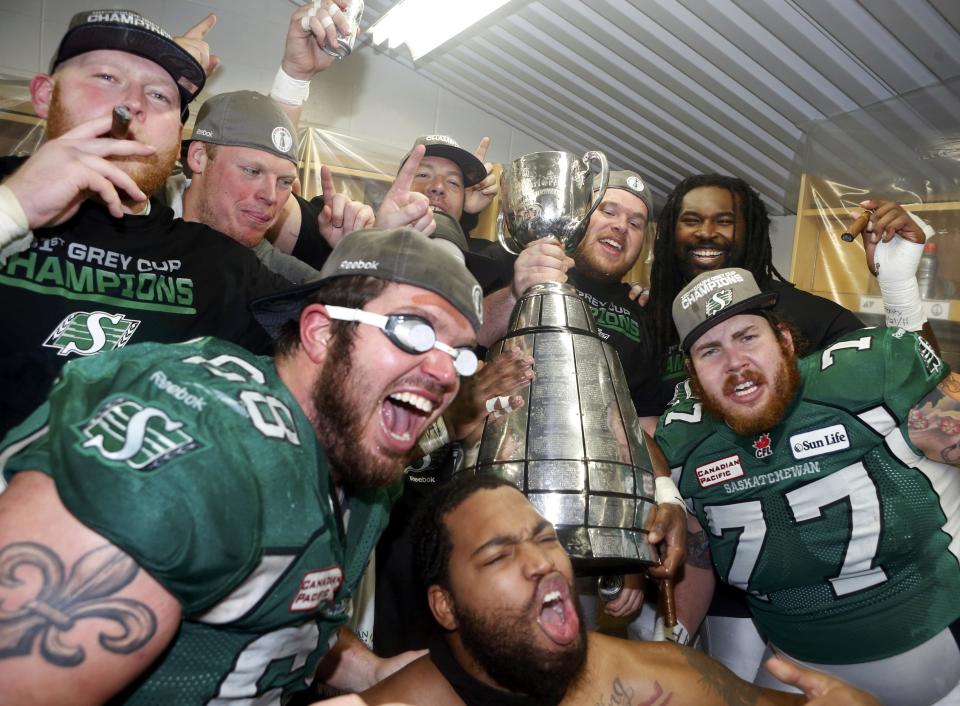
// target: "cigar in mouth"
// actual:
[[856, 227], [121, 122]]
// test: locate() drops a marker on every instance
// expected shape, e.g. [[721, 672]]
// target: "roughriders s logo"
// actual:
[[762, 446], [718, 301], [88, 333], [142, 437]]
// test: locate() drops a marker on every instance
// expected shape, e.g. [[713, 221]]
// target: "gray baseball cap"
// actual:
[[444, 146], [131, 32], [245, 119], [713, 297], [631, 181], [401, 255]]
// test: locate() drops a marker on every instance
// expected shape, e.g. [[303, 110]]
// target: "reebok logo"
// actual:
[[360, 265], [204, 132]]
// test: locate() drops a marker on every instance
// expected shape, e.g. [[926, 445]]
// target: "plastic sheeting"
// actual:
[[906, 150]]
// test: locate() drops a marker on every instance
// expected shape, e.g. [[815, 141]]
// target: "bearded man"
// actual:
[[500, 585], [826, 486], [187, 523], [101, 265]]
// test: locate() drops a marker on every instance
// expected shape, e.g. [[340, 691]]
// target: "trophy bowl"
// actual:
[[549, 194]]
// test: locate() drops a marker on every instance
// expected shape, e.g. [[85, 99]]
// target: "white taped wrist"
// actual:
[[434, 436], [896, 263], [15, 234], [678, 633], [289, 90], [665, 491]]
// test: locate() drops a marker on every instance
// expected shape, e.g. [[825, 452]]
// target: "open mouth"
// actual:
[[404, 415], [612, 246], [744, 390], [558, 618], [707, 254]]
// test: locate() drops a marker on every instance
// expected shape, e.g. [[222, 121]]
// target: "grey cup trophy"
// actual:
[[575, 447], [549, 194]]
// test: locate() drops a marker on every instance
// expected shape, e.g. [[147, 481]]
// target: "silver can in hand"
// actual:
[[345, 42]]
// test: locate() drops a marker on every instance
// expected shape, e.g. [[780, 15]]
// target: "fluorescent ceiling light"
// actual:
[[423, 25]]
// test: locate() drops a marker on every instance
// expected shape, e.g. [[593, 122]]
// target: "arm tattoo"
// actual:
[[623, 695], [717, 679], [63, 600], [698, 550], [934, 422]]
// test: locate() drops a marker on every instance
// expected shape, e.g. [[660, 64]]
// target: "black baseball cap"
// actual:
[[401, 255], [131, 32], [444, 146]]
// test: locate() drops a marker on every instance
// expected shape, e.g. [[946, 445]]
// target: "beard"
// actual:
[[748, 422], [500, 645], [595, 268], [339, 422], [149, 173]]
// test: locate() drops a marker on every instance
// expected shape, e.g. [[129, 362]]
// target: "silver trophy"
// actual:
[[549, 194], [575, 447]]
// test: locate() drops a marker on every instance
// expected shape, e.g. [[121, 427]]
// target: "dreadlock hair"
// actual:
[[431, 538], [666, 276], [352, 292]]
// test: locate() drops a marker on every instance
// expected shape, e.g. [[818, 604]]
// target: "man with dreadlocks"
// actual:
[[713, 221]]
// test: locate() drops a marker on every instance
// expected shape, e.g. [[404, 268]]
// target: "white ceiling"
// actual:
[[675, 87]]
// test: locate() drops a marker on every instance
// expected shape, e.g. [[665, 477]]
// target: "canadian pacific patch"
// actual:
[[719, 471], [316, 588]]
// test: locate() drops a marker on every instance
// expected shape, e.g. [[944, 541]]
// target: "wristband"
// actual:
[[289, 90], [434, 437], [665, 491], [15, 234]]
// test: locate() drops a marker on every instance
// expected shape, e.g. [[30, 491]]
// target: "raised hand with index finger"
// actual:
[[479, 196], [403, 207], [194, 42]]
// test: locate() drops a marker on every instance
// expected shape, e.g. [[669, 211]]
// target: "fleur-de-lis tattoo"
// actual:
[[64, 600]]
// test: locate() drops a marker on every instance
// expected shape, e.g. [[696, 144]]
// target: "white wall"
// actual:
[[367, 96], [781, 242]]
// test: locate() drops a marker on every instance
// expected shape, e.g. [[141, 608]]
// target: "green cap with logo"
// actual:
[[713, 297], [444, 146], [401, 255], [245, 119], [631, 181]]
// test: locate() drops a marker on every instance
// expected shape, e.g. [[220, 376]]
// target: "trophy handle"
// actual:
[[501, 237], [604, 176]]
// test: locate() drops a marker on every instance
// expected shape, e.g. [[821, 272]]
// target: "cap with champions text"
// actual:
[[443, 146], [631, 181], [131, 32], [401, 255], [245, 119], [713, 297]]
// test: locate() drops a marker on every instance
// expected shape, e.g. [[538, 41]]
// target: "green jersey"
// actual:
[[196, 460], [843, 535]]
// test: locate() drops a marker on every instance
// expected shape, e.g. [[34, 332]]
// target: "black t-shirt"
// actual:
[[311, 247], [627, 327], [821, 321], [96, 283]]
